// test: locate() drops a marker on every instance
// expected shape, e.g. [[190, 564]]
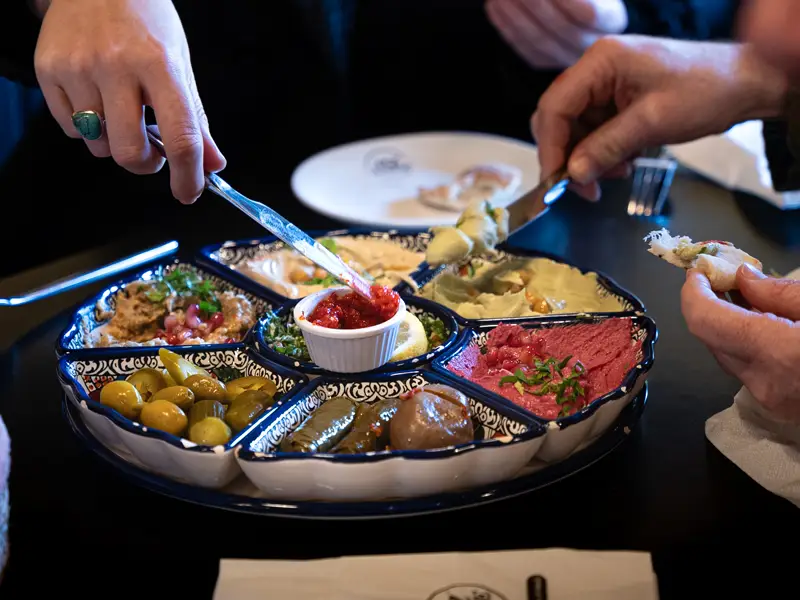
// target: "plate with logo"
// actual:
[[377, 182]]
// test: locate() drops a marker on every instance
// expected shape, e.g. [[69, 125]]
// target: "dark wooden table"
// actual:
[[78, 527]]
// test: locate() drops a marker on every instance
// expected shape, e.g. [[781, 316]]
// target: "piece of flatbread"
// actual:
[[494, 183], [716, 259]]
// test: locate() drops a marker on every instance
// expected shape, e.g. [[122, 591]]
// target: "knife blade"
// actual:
[[281, 228], [529, 207]]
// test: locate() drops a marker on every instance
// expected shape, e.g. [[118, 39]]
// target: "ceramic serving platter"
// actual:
[[513, 450], [421, 308], [505, 441], [242, 496], [83, 374], [85, 319], [606, 286], [233, 255], [567, 435]]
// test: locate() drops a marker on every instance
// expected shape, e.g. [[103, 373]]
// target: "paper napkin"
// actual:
[[735, 160], [554, 574]]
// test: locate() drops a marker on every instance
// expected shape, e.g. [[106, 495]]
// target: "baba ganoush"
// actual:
[[519, 287], [175, 307], [552, 372], [287, 272]]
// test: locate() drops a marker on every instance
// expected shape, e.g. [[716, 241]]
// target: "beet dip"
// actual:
[[552, 372], [351, 311]]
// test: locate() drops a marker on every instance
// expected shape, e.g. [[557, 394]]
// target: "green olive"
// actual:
[[165, 416], [246, 407], [123, 398], [179, 395], [206, 388], [242, 384], [211, 431], [147, 381]]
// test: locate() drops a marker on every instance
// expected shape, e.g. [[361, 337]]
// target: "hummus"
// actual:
[[175, 308], [479, 229], [552, 372], [519, 287], [287, 272]]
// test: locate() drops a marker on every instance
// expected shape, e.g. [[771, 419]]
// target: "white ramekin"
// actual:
[[347, 350]]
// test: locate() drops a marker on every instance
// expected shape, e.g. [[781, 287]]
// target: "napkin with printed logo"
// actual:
[[554, 574]]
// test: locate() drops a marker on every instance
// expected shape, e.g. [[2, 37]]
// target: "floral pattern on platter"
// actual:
[[232, 254], [489, 422], [93, 374], [603, 290], [88, 315]]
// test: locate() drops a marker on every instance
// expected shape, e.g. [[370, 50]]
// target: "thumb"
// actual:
[[602, 16], [768, 294], [611, 144]]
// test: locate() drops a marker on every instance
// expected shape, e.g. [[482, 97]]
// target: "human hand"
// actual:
[[114, 57], [553, 34], [760, 347], [631, 92]]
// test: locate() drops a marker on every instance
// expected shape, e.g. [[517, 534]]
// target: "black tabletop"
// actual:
[[78, 526]]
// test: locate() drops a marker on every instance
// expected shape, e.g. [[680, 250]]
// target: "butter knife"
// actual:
[[535, 203], [280, 227]]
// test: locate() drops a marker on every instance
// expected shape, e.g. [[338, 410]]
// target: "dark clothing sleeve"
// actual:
[[683, 19], [20, 28], [782, 147]]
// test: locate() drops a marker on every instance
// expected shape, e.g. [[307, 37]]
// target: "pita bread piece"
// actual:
[[716, 259]]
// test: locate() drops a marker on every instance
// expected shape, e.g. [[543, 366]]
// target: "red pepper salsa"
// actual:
[[351, 311]]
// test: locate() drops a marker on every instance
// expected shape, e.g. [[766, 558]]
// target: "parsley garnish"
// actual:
[[326, 281], [567, 391], [489, 210], [184, 283]]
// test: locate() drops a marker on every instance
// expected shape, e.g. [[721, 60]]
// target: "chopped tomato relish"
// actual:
[[351, 311]]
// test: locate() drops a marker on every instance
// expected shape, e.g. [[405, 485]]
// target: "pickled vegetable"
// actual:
[[211, 431], [147, 381], [206, 409], [179, 368], [246, 407], [207, 425], [123, 397], [165, 416], [448, 393], [324, 429], [168, 378], [206, 388], [179, 395], [427, 421], [242, 384], [369, 428]]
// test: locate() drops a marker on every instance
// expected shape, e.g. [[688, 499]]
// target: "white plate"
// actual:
[[375, 182]]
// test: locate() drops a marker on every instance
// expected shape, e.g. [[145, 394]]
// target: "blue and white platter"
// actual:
[[243, 497], [513, 451]]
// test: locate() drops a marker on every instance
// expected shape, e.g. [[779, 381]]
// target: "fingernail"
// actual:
[[580, 169], [750, 272]]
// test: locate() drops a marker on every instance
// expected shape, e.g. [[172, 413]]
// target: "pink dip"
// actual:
[[605, 349]]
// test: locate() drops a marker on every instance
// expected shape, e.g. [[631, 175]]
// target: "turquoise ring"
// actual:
[[88, 124]]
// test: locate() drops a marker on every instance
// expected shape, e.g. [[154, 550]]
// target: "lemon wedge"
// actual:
[[411, 339]]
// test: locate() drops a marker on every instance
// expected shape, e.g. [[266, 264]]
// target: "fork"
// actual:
[[652, 179]]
